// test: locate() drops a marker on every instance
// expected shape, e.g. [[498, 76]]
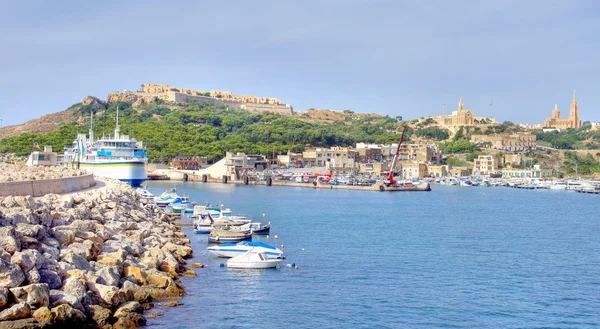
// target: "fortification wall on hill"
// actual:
[[174, 96]]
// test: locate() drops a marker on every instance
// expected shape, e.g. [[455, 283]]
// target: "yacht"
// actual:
[[120, 156]]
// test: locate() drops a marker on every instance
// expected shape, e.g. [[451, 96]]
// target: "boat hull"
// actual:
[[232, 251], [254, 265], [132, 172], [218, 239]]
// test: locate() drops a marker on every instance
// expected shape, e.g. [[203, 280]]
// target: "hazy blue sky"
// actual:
[[397, 57]]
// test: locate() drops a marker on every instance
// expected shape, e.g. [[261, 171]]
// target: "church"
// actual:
[[460, 117], [573, 121]]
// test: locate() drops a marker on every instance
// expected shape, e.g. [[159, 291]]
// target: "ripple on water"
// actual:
[[452, 258]]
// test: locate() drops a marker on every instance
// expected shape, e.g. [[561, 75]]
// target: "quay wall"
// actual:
[[42, 187]]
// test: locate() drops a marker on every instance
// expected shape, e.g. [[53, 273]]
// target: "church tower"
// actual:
[[461, 106], [574, 118]]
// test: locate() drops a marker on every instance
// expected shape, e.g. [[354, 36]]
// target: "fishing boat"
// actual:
[[185, 206], [245, 228], [120, 156], [228, 250], [224, 236], [253, 259], [167, 197], [260, 229], [203, 224]]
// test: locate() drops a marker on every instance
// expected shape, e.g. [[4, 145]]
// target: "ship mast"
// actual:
[[91, 126], [117, 128]]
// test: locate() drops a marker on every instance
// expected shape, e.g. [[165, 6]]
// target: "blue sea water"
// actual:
[[456, 257]]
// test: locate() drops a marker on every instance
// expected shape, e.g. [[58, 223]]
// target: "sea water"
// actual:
[[455, 257]]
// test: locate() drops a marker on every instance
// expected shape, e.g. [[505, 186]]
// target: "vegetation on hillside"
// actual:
[[210, 130], [571, 139]]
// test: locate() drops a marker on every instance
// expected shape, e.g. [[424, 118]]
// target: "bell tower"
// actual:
[[574, 118]]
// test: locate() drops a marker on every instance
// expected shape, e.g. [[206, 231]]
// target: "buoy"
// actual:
[[282, 246], [276, 236], [302, 249], [294, 264], [222, 265], [264, 214], [288, 265], [267, 236], [296, 267]]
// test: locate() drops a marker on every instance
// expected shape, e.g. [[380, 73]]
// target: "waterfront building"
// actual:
[[595, 125], [535, 172], [485, 165], [506, 142], [237, 163], [413, 170], [335, 158], [43, 158], [369, 152], [573, 121], [374, 168], [458, 171], [189, 162], [437, 171], [290, 158]]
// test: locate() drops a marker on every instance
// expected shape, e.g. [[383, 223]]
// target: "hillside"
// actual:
[[198, 128]]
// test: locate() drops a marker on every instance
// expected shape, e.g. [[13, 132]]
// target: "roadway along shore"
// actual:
[[98, 258]]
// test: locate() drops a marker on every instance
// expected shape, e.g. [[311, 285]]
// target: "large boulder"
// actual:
[[33, 276], [64, 237], [11, 275], [79, 262], [58, 297], [36, 295], [28, 259], [65, 313], [3, 297], [94, 103], [75, 287], [101, 316], [136, 273], [28, 230], [79, 249], [16, 312], [51, 278], [129, 307], [109, 275], [43, 315], [107, 294], [9, 243]]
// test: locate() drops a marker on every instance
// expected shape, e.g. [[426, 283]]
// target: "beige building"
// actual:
[[375, 168], [514, 159], [458, 171], [507, 142], [460, 117], [485, 165], [427, 153], [573, 121], [437, 171], [290, 159], [413, 170]]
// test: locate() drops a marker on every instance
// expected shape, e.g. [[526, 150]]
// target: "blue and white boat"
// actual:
[[120, 156], [228, 250]]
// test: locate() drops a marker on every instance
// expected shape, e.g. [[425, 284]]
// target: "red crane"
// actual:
[[391, 173]]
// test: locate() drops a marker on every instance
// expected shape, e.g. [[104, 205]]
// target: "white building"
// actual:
[[43, 158]]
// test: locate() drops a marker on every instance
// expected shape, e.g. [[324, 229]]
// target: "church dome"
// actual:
[[555, 112]]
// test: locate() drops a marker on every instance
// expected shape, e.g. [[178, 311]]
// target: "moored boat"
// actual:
[[223, 236], [260, 229], [252, 259], [228, 250]]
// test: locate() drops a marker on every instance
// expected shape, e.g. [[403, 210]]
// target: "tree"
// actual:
[[460, 134]]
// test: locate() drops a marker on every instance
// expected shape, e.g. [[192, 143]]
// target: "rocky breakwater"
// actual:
[[21, 172], [96, 259]]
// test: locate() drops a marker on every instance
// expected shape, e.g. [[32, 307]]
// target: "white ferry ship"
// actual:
[[119, 156]]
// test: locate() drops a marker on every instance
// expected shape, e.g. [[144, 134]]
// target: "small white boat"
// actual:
[[253, 259], [144, 193], [203, 224], [221, 236], [228, 250]]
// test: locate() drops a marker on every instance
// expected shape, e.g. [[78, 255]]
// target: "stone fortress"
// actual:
[[257, 104], [573, 121]]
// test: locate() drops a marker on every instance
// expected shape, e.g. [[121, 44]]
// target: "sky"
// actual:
[[396, 57]]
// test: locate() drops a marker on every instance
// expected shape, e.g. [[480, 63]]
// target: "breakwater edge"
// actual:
[[98, 258]]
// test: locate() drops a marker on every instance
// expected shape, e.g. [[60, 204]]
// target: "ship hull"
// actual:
[[131, 172]]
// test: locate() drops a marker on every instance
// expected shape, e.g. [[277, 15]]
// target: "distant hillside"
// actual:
[[323, 115], [199, 128]]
